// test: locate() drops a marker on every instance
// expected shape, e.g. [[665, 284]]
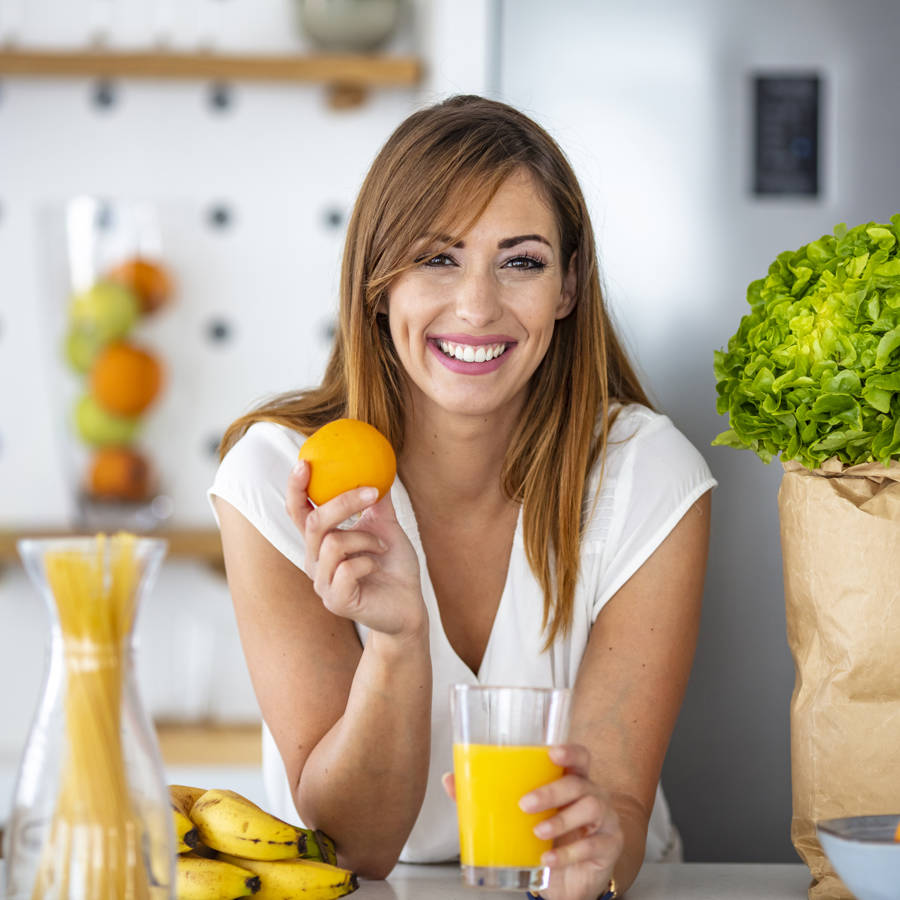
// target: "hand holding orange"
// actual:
[[347, 454]]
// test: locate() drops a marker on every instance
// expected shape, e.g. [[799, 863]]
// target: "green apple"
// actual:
[[106, 310], [97, 427], [80, 349]]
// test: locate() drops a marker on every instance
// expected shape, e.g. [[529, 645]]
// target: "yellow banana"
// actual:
[[230, 823], [320, 846], [198, 878], [186, 837], [298, 879], [184, 797]]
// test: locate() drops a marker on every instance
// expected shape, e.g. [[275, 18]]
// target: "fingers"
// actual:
[[338, 546], [296, 500], [574, 758], [585, 830], [448, 781], [584, 826]]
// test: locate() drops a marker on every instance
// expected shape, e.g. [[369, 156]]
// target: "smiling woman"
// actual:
[[547, 528], [486, 304]]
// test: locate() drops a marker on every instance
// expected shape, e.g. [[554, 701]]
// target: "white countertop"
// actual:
[[671, 881], [657, 881]]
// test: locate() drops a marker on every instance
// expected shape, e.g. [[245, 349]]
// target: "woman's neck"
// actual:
[[452, 464]]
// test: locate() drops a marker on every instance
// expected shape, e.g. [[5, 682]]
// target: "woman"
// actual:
[[546, 526]]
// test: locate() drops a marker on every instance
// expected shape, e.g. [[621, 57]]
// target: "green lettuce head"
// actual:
[[814, 369]]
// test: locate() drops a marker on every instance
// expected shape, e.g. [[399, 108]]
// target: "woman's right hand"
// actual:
[[368, 572]]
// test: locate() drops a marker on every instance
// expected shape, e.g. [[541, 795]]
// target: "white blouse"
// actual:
[[652, 476]]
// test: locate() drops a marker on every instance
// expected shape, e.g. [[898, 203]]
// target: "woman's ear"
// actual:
[[569, 287]]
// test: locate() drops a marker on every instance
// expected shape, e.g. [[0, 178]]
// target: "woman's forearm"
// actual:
[[633, 821], [364, 782]]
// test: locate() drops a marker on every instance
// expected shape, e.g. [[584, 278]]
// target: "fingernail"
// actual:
[[298, 467], [543, 830], [548, 858], [368, 495], [528, 803]]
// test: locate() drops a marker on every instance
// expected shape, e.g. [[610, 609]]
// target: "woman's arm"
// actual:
[[627, 696], [352, 724]]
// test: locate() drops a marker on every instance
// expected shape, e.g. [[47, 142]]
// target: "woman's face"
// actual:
[[472, 323]]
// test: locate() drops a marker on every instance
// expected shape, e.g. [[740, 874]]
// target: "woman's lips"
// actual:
[[470, 355]]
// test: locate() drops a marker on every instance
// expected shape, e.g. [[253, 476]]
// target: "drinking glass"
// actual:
[[501, 741]]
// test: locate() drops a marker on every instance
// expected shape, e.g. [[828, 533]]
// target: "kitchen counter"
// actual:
[[671, 881], [657, 881]]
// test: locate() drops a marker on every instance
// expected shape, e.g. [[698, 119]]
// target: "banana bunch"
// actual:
[[238, 849], [199, 878], [182, 799]]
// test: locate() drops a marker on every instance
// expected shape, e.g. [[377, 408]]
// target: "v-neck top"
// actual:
[[651, 477]]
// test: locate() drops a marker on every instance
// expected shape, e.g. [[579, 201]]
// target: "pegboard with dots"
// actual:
[[253, 181]]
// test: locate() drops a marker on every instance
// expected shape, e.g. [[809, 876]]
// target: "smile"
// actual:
[[469, 353]]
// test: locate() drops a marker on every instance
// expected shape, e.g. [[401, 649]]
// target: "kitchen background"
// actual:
[[708, 136]]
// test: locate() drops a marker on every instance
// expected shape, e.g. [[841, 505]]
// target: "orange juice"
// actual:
[[490, 781]]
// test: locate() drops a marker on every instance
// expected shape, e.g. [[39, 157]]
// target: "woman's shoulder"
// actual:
[[264, 454], [633, 420], [632, 426], [642, 439], [264, 440]]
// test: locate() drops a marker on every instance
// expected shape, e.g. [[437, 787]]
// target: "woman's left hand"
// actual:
[[587, 838]]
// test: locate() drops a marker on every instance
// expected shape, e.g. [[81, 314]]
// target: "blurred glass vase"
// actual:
[[116, 284], [90, 816]]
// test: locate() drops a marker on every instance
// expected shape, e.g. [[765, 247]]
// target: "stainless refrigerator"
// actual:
[[710, 135]]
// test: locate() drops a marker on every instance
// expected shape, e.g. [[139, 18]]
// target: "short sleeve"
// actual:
[[652, 477], [253, 479]]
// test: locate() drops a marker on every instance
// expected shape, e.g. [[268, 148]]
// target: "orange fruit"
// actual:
[[150, 281], [125, 379], [347, 454], [119, 473]]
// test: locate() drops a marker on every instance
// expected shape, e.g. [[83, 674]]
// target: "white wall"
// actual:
[[652, 102], [287, 168]]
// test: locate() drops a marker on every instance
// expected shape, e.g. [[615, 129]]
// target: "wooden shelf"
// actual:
[[209, 744], [201, 544], [346, 75]]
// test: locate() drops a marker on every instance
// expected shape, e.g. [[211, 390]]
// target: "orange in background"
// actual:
[[347, 454], [150, 281], [125, 379], [119, 473]]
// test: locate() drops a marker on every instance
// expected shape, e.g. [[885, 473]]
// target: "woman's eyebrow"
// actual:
[[446, 240], [519, 239]]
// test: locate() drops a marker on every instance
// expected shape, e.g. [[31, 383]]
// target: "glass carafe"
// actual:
[[90, 817]]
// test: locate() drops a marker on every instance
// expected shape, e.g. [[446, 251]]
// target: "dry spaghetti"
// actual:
[[94, 844]]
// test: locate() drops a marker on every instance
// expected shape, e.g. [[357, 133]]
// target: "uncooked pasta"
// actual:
[[94, 844]]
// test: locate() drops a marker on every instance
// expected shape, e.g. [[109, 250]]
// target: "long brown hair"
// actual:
[[437, 171]]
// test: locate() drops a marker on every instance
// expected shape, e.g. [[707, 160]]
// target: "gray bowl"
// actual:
[[864, 853]]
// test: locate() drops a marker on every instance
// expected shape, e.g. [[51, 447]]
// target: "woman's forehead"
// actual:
[[520, 196]]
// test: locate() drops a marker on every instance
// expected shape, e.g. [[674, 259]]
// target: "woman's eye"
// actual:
[[440, 259], [524, 262]]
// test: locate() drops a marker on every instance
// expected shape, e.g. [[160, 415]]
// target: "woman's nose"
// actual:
[[478, 301]]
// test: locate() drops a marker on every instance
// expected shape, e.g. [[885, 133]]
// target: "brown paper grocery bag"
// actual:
[[840, 537]]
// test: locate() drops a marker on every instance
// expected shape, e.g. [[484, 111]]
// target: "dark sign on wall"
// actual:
[[786, 134]]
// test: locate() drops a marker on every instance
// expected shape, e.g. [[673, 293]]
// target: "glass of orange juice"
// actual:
[[501, 742]]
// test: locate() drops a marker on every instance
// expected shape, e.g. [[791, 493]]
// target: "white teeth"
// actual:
[[472, 353]]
